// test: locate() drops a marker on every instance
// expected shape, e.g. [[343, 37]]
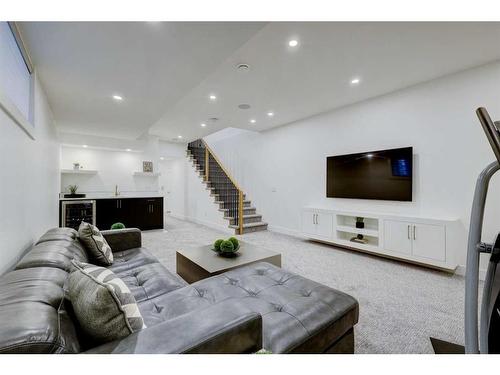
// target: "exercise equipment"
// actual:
[[487, 340]]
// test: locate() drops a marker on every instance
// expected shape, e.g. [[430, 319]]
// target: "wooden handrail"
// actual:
[[222, 166], [208, 151]]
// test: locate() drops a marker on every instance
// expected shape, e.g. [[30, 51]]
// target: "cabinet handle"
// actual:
[[414, 232], [317, 219], [152, 208], [408, 232]]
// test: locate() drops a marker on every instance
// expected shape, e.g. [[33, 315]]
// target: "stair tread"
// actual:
[[247, 201], [244, 209], [249, 216], [249, 225]]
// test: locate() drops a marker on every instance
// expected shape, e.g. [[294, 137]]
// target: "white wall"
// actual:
[[29, 181], [114, 168], [284, 169], [115, 165]]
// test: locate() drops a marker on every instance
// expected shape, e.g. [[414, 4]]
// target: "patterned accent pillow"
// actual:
[[95, 244], [103, 304]]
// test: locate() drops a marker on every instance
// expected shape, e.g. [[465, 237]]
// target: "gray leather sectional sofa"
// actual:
[[241, 311]]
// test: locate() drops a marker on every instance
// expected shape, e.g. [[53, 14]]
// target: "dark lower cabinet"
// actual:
[[142, 213], [150, 213]]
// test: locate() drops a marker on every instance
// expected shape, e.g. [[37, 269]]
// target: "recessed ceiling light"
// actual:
[[244, 106], [203, 125], [355, 81], [162, 158], [179, 136], [128, 149], [243, 67], [253, 121], [293, 43], [85, 146], [118, 97], [212, 97], [270, 114]]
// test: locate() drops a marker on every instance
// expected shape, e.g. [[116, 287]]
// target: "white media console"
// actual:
[[426, 241]]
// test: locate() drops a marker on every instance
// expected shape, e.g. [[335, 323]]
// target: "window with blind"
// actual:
[[15, 80]]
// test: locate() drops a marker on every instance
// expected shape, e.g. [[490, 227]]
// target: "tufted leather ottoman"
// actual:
[[298, 314]]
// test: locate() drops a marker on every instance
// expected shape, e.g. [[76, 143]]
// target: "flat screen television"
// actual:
[[384, 175]]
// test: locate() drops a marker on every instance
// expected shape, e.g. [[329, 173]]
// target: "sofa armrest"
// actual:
[[213, 332], [123, 239]]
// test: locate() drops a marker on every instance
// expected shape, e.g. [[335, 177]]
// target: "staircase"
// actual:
[[233, 204]]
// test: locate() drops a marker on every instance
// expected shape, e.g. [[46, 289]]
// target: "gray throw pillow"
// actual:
[[96, 245], [103, 305]]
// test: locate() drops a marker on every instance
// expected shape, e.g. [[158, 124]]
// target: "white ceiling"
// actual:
[[165, 71], [151, 64]]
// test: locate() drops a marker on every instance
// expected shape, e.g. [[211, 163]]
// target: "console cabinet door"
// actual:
[[429, 241], [309, 222], [398, 236], [324, 225]]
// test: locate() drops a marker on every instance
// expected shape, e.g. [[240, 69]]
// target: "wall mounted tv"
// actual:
[[384, 175]]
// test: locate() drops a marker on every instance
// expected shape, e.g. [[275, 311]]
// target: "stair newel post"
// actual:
[[240, 211], [207, 155]]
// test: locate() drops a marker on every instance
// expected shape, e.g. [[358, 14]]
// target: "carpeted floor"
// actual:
[[401, 305]]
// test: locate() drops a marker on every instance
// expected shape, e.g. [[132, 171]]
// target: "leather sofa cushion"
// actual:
[[56, 253], [150, 280], [68, 234], [32, 314], [123, 239], [67, 231], [130, 259], [294, 309]]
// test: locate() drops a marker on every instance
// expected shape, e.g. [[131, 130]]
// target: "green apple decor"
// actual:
[[226, 248], [235, 242], [217, 244]]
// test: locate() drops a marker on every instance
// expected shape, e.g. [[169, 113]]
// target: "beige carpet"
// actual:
[[401, 305]]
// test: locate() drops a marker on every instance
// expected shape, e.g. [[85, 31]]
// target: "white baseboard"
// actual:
[[283, 230], [461, 271], [209, 224]]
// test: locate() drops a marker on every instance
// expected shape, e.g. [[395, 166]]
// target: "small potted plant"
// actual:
[[72, 192], [360, 222]]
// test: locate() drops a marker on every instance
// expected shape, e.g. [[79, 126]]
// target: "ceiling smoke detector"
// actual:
[[244, 106], [242, 67]]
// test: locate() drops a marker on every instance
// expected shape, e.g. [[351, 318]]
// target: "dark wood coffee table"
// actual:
[[198, 263]]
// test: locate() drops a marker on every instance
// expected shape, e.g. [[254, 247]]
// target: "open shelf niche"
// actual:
[[346, 230], [147, 174], [78, 171]]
